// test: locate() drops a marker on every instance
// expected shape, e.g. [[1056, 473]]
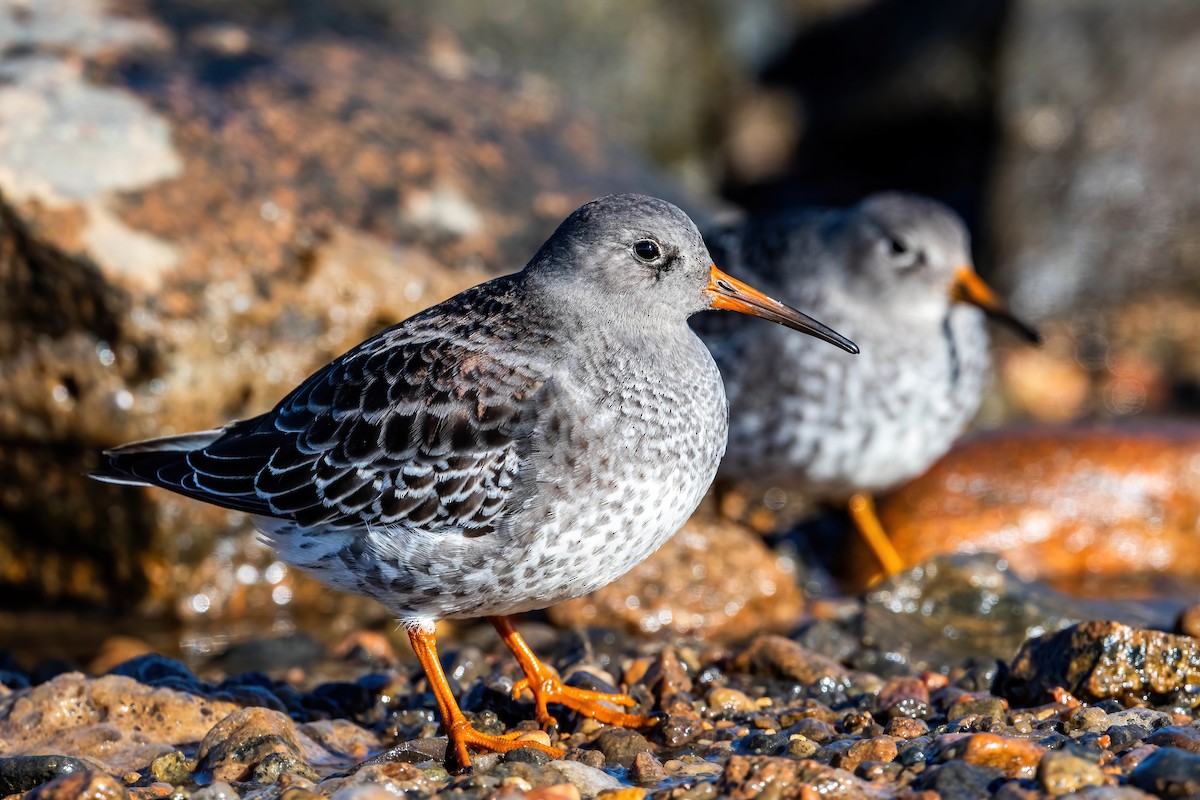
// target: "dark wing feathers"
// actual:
[[414, 427]]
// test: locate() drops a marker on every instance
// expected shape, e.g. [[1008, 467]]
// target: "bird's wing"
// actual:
[[416, 427]]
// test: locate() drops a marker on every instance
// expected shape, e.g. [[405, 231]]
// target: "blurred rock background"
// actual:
[[203, 200]]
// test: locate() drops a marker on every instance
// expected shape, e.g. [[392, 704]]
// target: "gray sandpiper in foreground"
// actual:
[[523, 443], [895, 274]]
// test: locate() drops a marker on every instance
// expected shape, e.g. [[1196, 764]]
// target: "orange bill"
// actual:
[[733, 295], [968, 287]]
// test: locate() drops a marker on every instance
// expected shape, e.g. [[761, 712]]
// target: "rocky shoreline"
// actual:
[[1098, 708]]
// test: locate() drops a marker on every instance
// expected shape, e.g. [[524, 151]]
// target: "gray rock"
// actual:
[[1169, 772], [1097, 183]]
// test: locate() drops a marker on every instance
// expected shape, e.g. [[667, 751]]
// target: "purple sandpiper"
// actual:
[[894, 273], [525, 442]]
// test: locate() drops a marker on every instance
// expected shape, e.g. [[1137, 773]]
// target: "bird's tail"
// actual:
[[147, 463]]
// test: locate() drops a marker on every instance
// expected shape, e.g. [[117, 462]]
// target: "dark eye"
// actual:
[[899, 252], [647, 250]]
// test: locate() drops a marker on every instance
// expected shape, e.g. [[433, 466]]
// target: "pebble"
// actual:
[[722, 700], [1014, 756], [906, 727], [800, 747], [223, 791], [1062, 772], [621, 745], [647, 770], [1185, 737], [779, 657], [1168, 772], [1087, 719]]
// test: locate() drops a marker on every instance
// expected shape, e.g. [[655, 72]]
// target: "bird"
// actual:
[[525, 442], [893, 272]]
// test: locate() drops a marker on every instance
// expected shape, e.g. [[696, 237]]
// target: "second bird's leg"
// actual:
[[547, 688], [862, 511], [458, 729]]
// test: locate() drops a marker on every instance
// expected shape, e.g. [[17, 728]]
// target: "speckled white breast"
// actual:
[[623, 453]]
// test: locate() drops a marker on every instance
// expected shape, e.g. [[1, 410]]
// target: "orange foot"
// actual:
[[461, 734], [458, 730], [547, 688]]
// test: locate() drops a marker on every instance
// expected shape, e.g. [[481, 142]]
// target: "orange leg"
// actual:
[[547, 688], [458, 730], [862, 511]]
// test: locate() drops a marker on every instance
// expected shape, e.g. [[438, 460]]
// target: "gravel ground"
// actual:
[[1097, 708]]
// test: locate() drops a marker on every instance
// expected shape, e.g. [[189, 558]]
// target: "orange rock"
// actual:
[[1016, 757], [1076, 506], [714, 578]]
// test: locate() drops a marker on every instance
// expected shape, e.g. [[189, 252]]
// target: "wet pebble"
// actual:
[[621, 745], [779, 657], [1014, 756], [1168, 772], [906, 727], [217, 791], [1185, 737], [677, 730], [1063, 772], [1088, 719], [89, 784], [251, 743], [647, 770], [962, 780], [722, 700]]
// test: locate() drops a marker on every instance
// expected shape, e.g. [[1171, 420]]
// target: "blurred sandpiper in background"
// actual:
[[201, 201]]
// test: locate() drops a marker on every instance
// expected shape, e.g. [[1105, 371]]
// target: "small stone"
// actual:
[[961, 780], [627, 793], [621, 746], [1168, 772], [800, 747], [750, 777], [906, 727], [526, 755], [722, 700], [589, 780], [248, 739], [223, 791], [75, 785], [985, 706], [558, 791], [539, 736], [647, 770], [814, 729], [1063, 772], [765, 744], [1088, 719], [668, 677], [1185, 737], [779, 657], [678, 730], [173, 768], [880, 748], [1014, 756], [1148, 718], [905, 697]]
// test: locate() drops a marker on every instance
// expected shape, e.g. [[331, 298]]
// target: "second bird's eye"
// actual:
[[647, 250]]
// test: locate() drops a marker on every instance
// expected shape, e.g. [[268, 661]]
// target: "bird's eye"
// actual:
[[647, 250], [899, 252]]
